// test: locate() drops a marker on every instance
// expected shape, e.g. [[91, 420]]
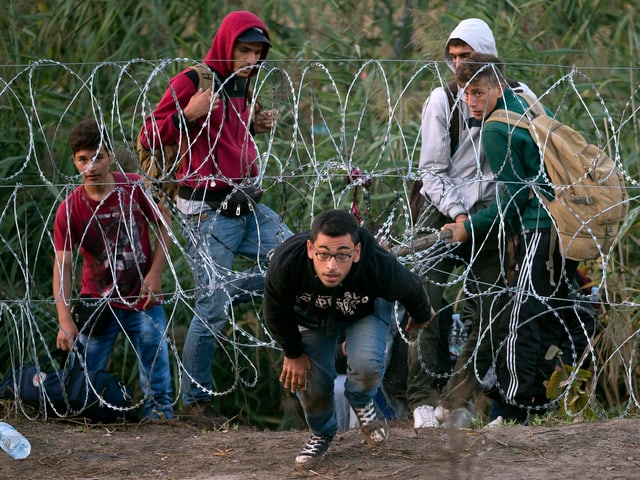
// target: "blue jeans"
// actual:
[[365, 341], [213, 241], [147, 332]]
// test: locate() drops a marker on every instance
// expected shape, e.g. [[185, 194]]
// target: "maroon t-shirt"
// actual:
[[113, 237]]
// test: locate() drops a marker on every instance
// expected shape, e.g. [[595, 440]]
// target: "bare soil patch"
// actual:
[[172, 450]]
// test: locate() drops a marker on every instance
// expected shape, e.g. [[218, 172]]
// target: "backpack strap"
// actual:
[[201, 76], [454, 119], [535, 109]]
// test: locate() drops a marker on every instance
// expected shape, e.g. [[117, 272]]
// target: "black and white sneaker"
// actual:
[[373, 425], [314, 449]]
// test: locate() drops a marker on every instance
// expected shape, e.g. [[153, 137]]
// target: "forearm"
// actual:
[[152, 285], [62, 288], [287, 336], [406, 287], [163, 127], [161, 248], [282, 327], [443, 193], [62, 298]]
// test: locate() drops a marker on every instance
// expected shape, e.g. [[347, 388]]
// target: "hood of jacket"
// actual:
[[220, 55], [475, 33]]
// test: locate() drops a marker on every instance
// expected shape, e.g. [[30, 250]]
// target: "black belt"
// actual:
[[202, 194]]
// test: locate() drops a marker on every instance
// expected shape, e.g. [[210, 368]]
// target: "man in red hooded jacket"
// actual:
[[219, 195]]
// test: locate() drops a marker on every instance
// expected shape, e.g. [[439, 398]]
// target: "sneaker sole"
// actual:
[[311, 463], [373, 442]]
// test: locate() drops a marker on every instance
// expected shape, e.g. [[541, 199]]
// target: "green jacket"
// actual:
[[515, 160]]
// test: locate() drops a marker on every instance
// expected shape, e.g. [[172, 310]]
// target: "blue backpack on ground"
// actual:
[[58, 384]]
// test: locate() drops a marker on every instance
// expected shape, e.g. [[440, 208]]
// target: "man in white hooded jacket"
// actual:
[[456, 182]]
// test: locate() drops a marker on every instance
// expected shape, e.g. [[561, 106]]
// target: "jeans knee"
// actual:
[[366, 378]]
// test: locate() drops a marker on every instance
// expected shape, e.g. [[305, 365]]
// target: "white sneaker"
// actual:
[[441, 413], [496, 422], [424, 416]]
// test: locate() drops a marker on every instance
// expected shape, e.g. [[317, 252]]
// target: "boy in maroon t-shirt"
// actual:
[[108, 219]]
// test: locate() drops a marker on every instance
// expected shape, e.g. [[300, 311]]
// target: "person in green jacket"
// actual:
[[533, 322]]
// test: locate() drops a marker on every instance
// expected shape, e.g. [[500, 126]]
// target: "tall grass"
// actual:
[[540, 41]]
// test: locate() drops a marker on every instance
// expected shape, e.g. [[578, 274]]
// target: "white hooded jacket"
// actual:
[[459, 182]]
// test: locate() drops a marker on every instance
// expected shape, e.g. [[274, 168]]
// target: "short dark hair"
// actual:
[[480, 65], [88, 135], [457, 42], [335, 223]]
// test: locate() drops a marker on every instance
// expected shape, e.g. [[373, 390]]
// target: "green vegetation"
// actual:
[[348, 79]]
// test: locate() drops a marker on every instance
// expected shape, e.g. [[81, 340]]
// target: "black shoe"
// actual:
[[512, 413], [313, 450], [202, 414], [373, 426]]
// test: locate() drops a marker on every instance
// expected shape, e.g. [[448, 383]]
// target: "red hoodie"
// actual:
[[222, 149]]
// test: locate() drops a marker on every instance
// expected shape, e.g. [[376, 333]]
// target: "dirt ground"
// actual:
[[65, 450]]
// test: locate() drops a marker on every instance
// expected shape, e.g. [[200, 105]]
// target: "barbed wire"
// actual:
[[344, 135]]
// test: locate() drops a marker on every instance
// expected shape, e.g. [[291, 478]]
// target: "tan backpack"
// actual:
[[159, 166], [591, 200]]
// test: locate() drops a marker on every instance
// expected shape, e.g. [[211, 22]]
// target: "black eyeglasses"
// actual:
[[325, 256]]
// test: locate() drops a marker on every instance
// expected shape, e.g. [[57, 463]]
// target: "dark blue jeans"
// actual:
[[213, 241], [146, 331], [366, 341]]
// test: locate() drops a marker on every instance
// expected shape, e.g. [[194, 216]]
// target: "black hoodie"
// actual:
[[293, 293]]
